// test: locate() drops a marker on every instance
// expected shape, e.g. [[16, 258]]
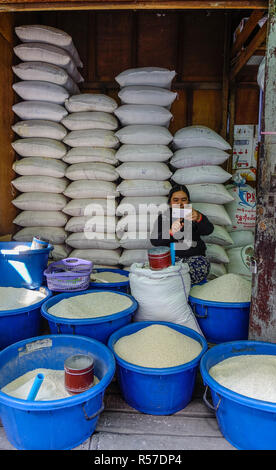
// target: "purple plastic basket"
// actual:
[[69, 275]]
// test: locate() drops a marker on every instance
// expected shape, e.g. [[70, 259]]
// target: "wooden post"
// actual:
[[263, 306]]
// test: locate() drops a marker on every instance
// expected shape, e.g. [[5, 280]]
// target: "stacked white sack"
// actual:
[[199, 152], [145, 116], [48, 75], [92, 174]]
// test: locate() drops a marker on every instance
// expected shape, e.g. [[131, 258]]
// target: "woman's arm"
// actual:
[[204, 226], [160, 235]]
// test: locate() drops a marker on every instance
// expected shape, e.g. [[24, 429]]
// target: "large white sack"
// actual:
[[95, 223], [240, 260], [90, 102], [216, 253], [145, 94], [214, 193], [153, 76], [40, 166], [46, 184], [99, 241], [242, 238], [48, 53], [201, 174], [128, 257], [49, 35], [144, 135], [60, 252], [40, 128], [132, 114], [91, 171], [138, 223], [93, 138], [41, 219], [91, 189], [91, 155], [142, 205], [143, 153], [39, 147], [55, 235], [86, 207], [144, 188], [135, 241], [215, 212], [90, 120], [98, 256], [42, 91], [198, 156], [219, 236], [216, 270], [47, 73], [242, 211], [39, 110], [157, 171], [261, 74], [38, 201], [199, 136], [163, 295]]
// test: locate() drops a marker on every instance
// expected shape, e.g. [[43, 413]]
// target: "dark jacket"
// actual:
[[160, 235]]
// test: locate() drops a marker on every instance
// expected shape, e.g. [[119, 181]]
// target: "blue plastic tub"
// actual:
[[116, 286], [24, 269], [99, 328], [58, 424], [22, 323], [221, 321], [157, 391], [248, 424]]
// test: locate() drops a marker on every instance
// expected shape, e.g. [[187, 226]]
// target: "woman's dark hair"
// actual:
[[178, 187]]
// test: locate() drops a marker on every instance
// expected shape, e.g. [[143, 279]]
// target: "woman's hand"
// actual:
[[194, 216], [176, 227]]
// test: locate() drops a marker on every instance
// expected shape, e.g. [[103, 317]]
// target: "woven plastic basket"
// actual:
[[69, 275]]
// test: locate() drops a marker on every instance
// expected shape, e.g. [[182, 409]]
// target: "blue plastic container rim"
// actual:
[[242, 347], [211, 303], [4, 313], [111, 284], [131, 328], [105, 318], [18, 403], [11, 252]]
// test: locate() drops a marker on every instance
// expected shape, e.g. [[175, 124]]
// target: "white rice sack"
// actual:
[[132, 114], [215, 212], [240, 260], [46, 184], [55, 235], [128, 257], [38, 201], [142, 205], [143, 153], [226, 288], [39, 110], [147, 95], [216, 270], [39, 147], [86, 207], [219, 236], [48, 53], [42, 91], [199, 136], [136, 241], [49, 35], [138, 223], [216, 253], [99, 256], [47, 73], [40, 166], [144, 170], [99, 241], [198, 156], [91, 171], [152, 76], [13, 298], [40, 128], [90, 102], [91, 155], [213, 193], [201, 174], [93, 138], [242, 211], [144, 188], [60, 252], [101, 224], [90, 120], [144, 135], [91, 189], [41, 219], [242, 238]]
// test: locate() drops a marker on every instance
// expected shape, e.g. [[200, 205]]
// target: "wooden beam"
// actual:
[[250, 25], [225, 78]]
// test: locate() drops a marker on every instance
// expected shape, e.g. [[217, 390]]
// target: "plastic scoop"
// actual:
[[172, 248], [35, 387]]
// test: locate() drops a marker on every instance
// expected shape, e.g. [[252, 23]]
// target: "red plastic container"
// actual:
[[79, 373], [159, 258]]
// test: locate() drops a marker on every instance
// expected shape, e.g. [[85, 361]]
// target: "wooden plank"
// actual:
[[251, 23], [225, 78], [207, 107]]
